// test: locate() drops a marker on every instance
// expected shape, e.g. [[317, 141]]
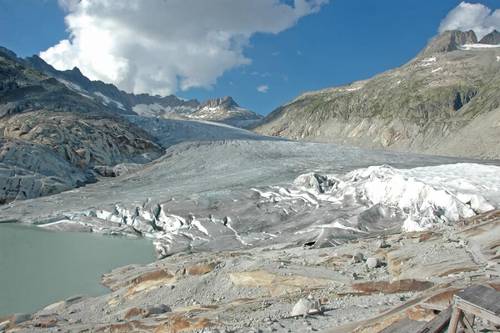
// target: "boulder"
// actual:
[[19, 318], [372, 263], [304, 307], [358, 257]]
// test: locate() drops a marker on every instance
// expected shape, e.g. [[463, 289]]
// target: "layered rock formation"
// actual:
[[445, 101]]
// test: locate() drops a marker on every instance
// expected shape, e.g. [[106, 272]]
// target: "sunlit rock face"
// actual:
[[448, 92]]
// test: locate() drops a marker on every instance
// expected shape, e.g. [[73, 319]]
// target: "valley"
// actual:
[[361, 208]]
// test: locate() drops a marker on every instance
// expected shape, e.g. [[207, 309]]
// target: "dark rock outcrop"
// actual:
[[492, 38]]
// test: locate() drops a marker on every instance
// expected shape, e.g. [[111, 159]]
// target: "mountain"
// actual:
[[53, 138], [491, 38], [223, 110], [449, 41], [444, 101]]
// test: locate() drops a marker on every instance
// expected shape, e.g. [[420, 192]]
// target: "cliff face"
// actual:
[[445, 101]]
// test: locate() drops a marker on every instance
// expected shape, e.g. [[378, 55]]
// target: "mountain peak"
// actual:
[[449, 41], [76, 70], [7, 53], [226, 102], [491, 38]]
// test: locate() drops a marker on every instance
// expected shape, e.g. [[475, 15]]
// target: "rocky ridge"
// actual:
[[224, 110], [445, 101], [53, 139]]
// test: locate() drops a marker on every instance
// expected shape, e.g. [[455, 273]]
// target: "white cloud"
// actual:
[[160, 46], [261, 74], [467, 16], [263, 88]]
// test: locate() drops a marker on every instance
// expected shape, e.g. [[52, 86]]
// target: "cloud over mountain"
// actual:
[[472, 16], [161, 46]]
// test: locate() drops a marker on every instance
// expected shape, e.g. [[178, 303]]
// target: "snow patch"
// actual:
[[107, 101], [468, 47], [353, 89], [428, 61], [437, 70]]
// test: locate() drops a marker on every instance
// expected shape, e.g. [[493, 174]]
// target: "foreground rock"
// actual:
[[229, 291]]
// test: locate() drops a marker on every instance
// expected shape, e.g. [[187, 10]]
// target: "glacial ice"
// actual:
[[314, 207], [417, 194]]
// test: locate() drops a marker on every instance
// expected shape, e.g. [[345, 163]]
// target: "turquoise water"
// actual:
[[39, 267]]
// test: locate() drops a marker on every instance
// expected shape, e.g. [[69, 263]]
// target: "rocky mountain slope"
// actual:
[[59, 130], [53, 138], [444, 101], [491, 38], [224, 110]]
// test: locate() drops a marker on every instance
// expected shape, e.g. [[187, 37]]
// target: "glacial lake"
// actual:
[[39, 267]]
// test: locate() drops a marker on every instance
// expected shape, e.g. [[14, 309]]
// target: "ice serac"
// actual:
[[445, 101], [418, 201]]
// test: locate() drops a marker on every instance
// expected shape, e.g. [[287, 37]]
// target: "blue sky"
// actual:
[[346, 40]]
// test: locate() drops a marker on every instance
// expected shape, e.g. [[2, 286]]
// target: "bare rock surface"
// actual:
[[29, 170], [164, 297]]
